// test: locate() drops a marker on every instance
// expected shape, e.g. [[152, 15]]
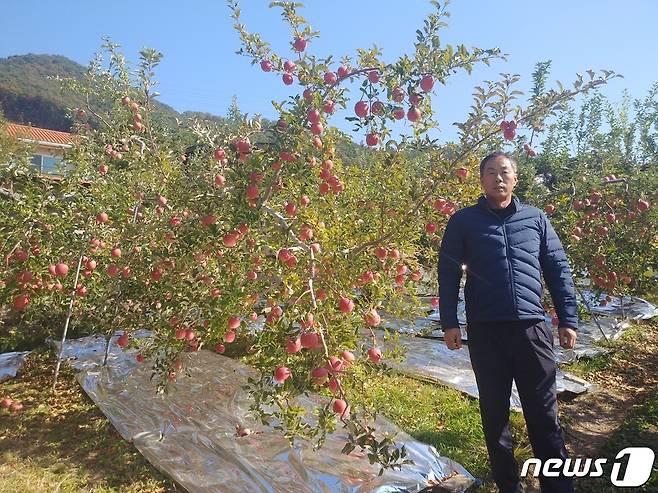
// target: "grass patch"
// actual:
[[620, 349], [442, 417], [639, 430], [63, 442]]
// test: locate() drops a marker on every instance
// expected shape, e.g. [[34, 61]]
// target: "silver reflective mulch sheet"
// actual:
[[430, 359], [612, 320], [10, 363], [590, 334], [628, 307], [190, 433]]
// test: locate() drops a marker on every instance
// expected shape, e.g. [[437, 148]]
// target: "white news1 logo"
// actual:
[[639, 462]]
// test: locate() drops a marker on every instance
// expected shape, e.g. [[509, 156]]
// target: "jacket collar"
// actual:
[[516, 203]]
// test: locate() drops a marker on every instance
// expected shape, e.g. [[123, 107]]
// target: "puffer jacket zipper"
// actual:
[[508, 255]]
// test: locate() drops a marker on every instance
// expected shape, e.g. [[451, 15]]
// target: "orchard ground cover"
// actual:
[[62, 441]]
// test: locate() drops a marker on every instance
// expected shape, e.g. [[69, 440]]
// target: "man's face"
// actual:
[[498, 178]]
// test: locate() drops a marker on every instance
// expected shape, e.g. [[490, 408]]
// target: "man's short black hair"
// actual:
[[495, 155]]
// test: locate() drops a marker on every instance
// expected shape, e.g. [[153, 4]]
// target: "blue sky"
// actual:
[[200, 70]]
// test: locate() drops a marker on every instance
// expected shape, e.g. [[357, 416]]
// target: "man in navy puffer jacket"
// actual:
[[505, 247]]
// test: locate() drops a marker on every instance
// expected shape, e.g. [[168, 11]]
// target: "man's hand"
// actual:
[[453, 338], [567, 337]]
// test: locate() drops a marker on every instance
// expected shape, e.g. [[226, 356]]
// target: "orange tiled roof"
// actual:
[[40, 134]]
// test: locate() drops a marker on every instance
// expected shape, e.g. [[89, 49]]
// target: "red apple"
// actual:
[[319, 375], [299, 44], [281, 374], [377, 108], [335, 364], [340, 407], [328, 106], [372, 318], [361, 109], [283, 255], [415, 99], [61, 269], [310, 340], [25, 276], [334, 385], [122, 341], [427, 83], [266, 66], [252, 191], [397, 94], [243, 146], [306, 233], [330, 78], [381, 252], [343, 71], [313, 116], [414, 114], [372, 139], [375, 354], [289, 66], [463, 173], [345, 305], [208, 219], [509, 133], [220, 154], [20, 302], [348, 357], [293, 345]]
